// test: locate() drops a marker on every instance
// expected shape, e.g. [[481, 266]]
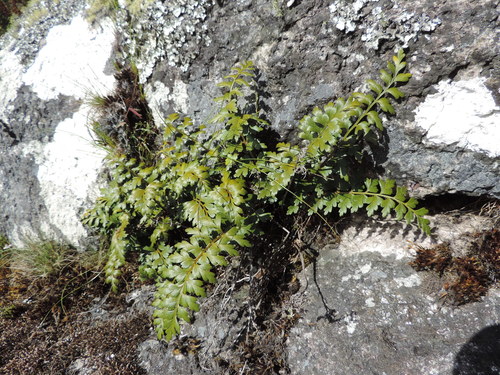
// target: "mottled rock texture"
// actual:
[[441, 141], [306, 57], [48, 163], [365, 310], [307, 52]]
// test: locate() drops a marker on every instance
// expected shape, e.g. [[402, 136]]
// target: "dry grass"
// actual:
[[466, 278]]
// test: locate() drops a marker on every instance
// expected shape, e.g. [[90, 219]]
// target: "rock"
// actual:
[[364, 306], [157, 359], [311, 53], [48, 163], [320, 50]]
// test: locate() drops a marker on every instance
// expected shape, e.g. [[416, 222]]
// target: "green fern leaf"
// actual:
[[344, 203], [409, 217], [400, 210], [403, 77], [374, 202], [116, 257], [386, 186], [371, 185], [373, 118], [423, 223], [387, 207], [395, 92], [386, 106], [401, 193], [374, 86], [363, 98], [386, 77], [391, 67]]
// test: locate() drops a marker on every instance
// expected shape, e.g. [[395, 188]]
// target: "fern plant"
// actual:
[[202, 196]]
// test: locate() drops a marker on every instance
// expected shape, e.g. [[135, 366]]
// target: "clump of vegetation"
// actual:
[[7, 312], [125, 124], [469, 276], [40, 258], [437, 258], [100, 8], [8, 10], [27, 13], [40, 263], [4, 241], [4, 250], [201, 197]]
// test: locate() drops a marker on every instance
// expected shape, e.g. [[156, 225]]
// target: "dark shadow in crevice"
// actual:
[[449, 202], [10, 133]]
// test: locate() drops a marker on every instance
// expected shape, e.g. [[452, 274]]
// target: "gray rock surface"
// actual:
[[49, 66], [366, 311], [361, 309], [307, 52], [319, 50]]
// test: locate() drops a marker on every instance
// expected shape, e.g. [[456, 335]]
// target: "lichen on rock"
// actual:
[[170, 30], [47, 150], [382, 20], [462, 113]]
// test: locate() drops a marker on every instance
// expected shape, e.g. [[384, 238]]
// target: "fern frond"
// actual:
[[380, 195], [382, 99], [190, 266], [116, 255], [222, 185]]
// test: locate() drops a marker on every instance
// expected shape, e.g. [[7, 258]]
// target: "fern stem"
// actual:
[[297, 197]]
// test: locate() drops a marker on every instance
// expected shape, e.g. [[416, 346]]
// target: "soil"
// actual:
[[46, 325]]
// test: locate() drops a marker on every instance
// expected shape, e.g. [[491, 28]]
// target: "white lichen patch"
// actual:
[[345, 14], [180, 96], [159, 94], [351, 324], [408, 282], [366, 268], [358, 274], [73, 61], [461, 113], [403, 26], [370, 302], [169, 31], [262, 54], [67, 174]]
